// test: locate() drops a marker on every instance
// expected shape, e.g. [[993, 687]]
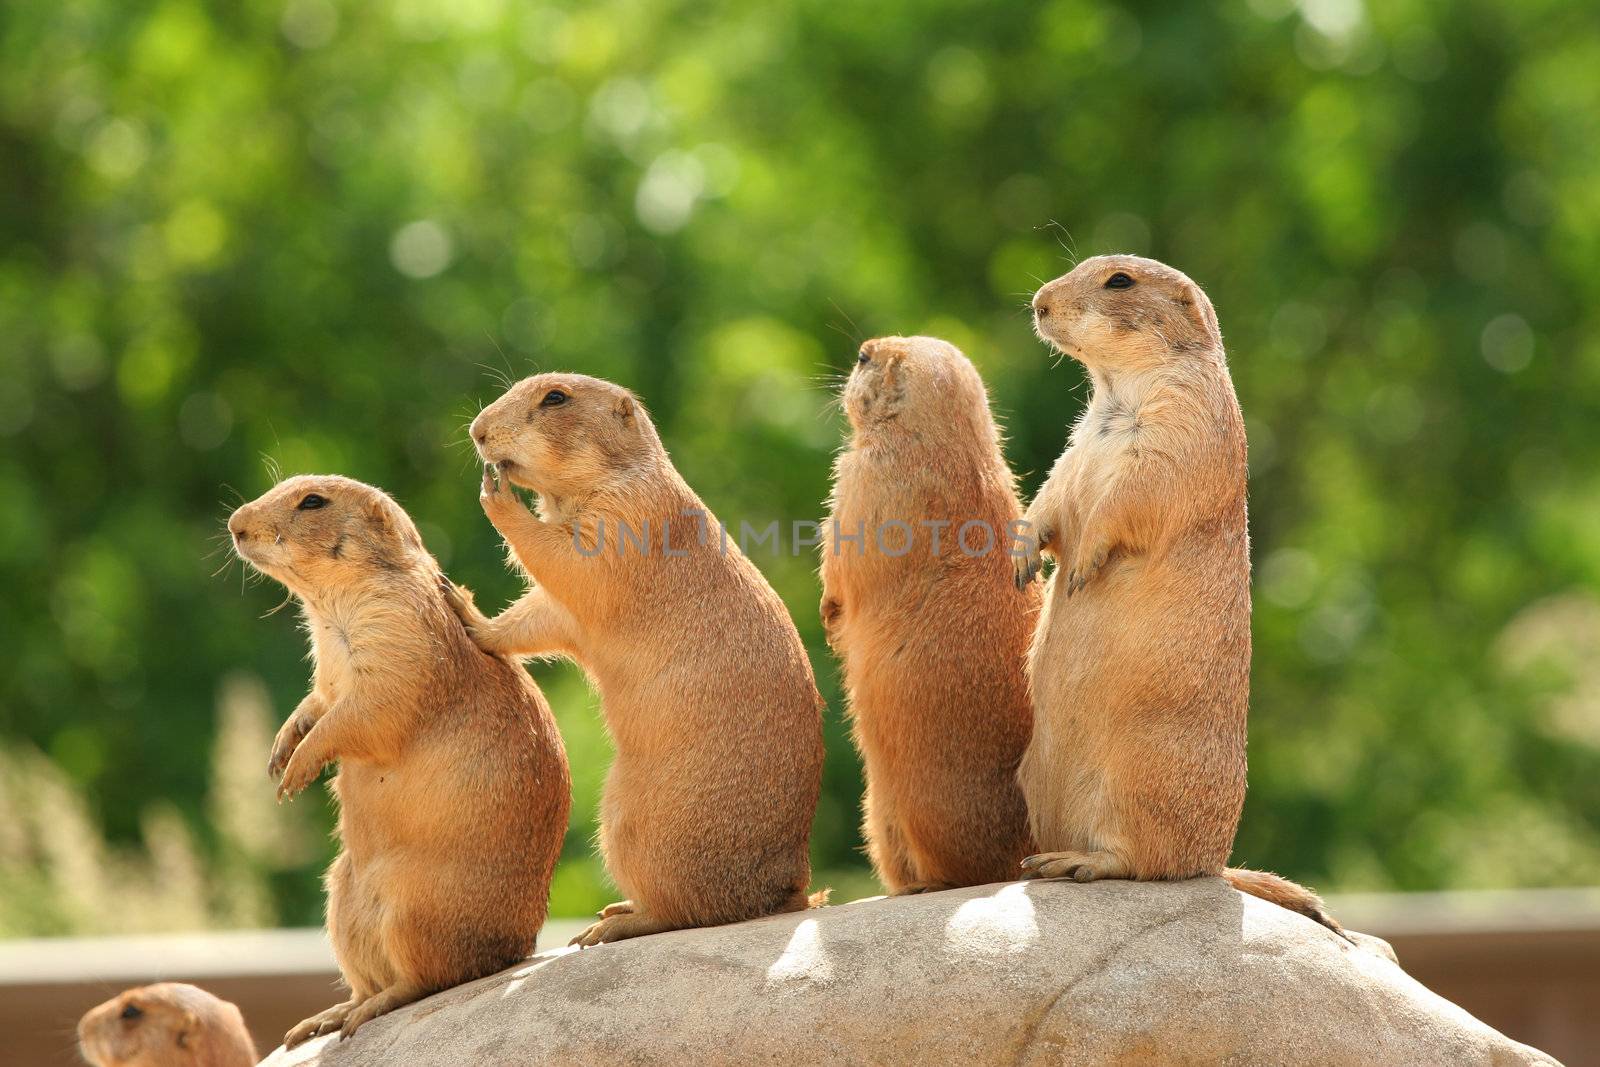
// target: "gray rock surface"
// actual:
[[1020, 973]]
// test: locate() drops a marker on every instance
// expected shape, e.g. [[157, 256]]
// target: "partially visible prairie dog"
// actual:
[[169, 1024], [918, 601], [708, 695], [453, 787], [1141, 664]]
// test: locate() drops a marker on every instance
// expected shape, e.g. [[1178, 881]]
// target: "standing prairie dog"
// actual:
[[453, 788], [168, 1024], [708, 695], [918, 601], [1140, 667]]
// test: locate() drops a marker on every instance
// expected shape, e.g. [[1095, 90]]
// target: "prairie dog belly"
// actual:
[[1156, 612]]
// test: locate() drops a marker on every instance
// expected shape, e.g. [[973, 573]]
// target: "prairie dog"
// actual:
[[707, 692], [453, 788], [919, 604], [168, 1024], [1140, 667]]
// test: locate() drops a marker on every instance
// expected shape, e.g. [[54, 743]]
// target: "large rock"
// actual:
[[1025, 973]]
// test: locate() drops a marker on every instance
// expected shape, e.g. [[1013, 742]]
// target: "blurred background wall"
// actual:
[[315, 236]]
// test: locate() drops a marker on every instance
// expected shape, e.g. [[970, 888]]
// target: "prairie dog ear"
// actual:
[[389, 521], [186, 1026], [1203, 314], [378, 515], [624, 408]]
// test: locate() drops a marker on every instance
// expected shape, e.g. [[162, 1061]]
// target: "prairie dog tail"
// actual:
[[1285, 894], [800, 900]]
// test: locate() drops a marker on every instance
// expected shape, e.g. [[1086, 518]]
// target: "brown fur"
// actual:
[[452, 785], [1140, 668], [165, 1025], [707, 691], [933, 643]]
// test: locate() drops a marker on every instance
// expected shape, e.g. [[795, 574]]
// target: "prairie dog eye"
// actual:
[[1119, 280], [311, 502], [862, 357], [553, 399], [131, 1011]]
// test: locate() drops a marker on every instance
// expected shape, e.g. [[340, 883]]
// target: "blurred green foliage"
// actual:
[[317, 231]]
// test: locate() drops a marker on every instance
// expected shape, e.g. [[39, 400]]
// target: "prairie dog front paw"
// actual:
[[1087, 563], [1028, 551], [301, 770], [484, 631], [460, 601], [290, 734], [499, 502]]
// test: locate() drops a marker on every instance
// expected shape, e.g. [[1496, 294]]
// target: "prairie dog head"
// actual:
[[317, 533], [1125, 313], [165, 1025], [920, 384], [562, 435]]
